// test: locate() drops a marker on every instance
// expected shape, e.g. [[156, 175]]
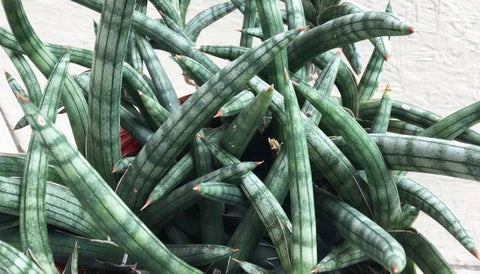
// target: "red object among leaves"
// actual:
[[129, 146], [61, 269], [184, 98]]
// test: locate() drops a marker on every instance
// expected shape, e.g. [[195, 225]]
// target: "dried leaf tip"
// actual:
[[395, 269], [23, 98], [7, 74], [270, 88], [134, 268], [147, 203], [259, 163], [301, 29], [197, 188], [239, 30], [314, 270], [475, 253], [179, 57], [411, 29], [339, 52], [237, 261], [285, 72], [202, 137], [114, 170], [235, 250], [388, 90], [218, 114], [140, 93]]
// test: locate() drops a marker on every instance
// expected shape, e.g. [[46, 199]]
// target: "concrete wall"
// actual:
[[437, 68]]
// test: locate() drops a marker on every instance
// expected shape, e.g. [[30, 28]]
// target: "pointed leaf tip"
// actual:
[[388, 87], [17, 126], [219, 114], [285, 71], [270, 88], [475, 253], [301, 29], [147, 203], [22, 98]]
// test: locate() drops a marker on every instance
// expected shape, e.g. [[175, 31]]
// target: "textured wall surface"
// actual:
[[436, 67]]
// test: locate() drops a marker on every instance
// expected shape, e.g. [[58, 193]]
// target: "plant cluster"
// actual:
[[260, 170]]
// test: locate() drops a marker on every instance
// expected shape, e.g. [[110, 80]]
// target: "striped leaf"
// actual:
[[266, 206], [14, 261], [100, 201], [160, 213], [222, 192], [423, 253], [381, 119], [362, 232], [103, 136], [422, 154], [33, 224], [383, 192], [27, 75], [342, 31], [182, 125], [42, 57], [420, 197], [62, 209], [341, 256], [206, 18]]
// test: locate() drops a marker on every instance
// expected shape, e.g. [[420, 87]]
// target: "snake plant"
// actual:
[[260, 170]]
